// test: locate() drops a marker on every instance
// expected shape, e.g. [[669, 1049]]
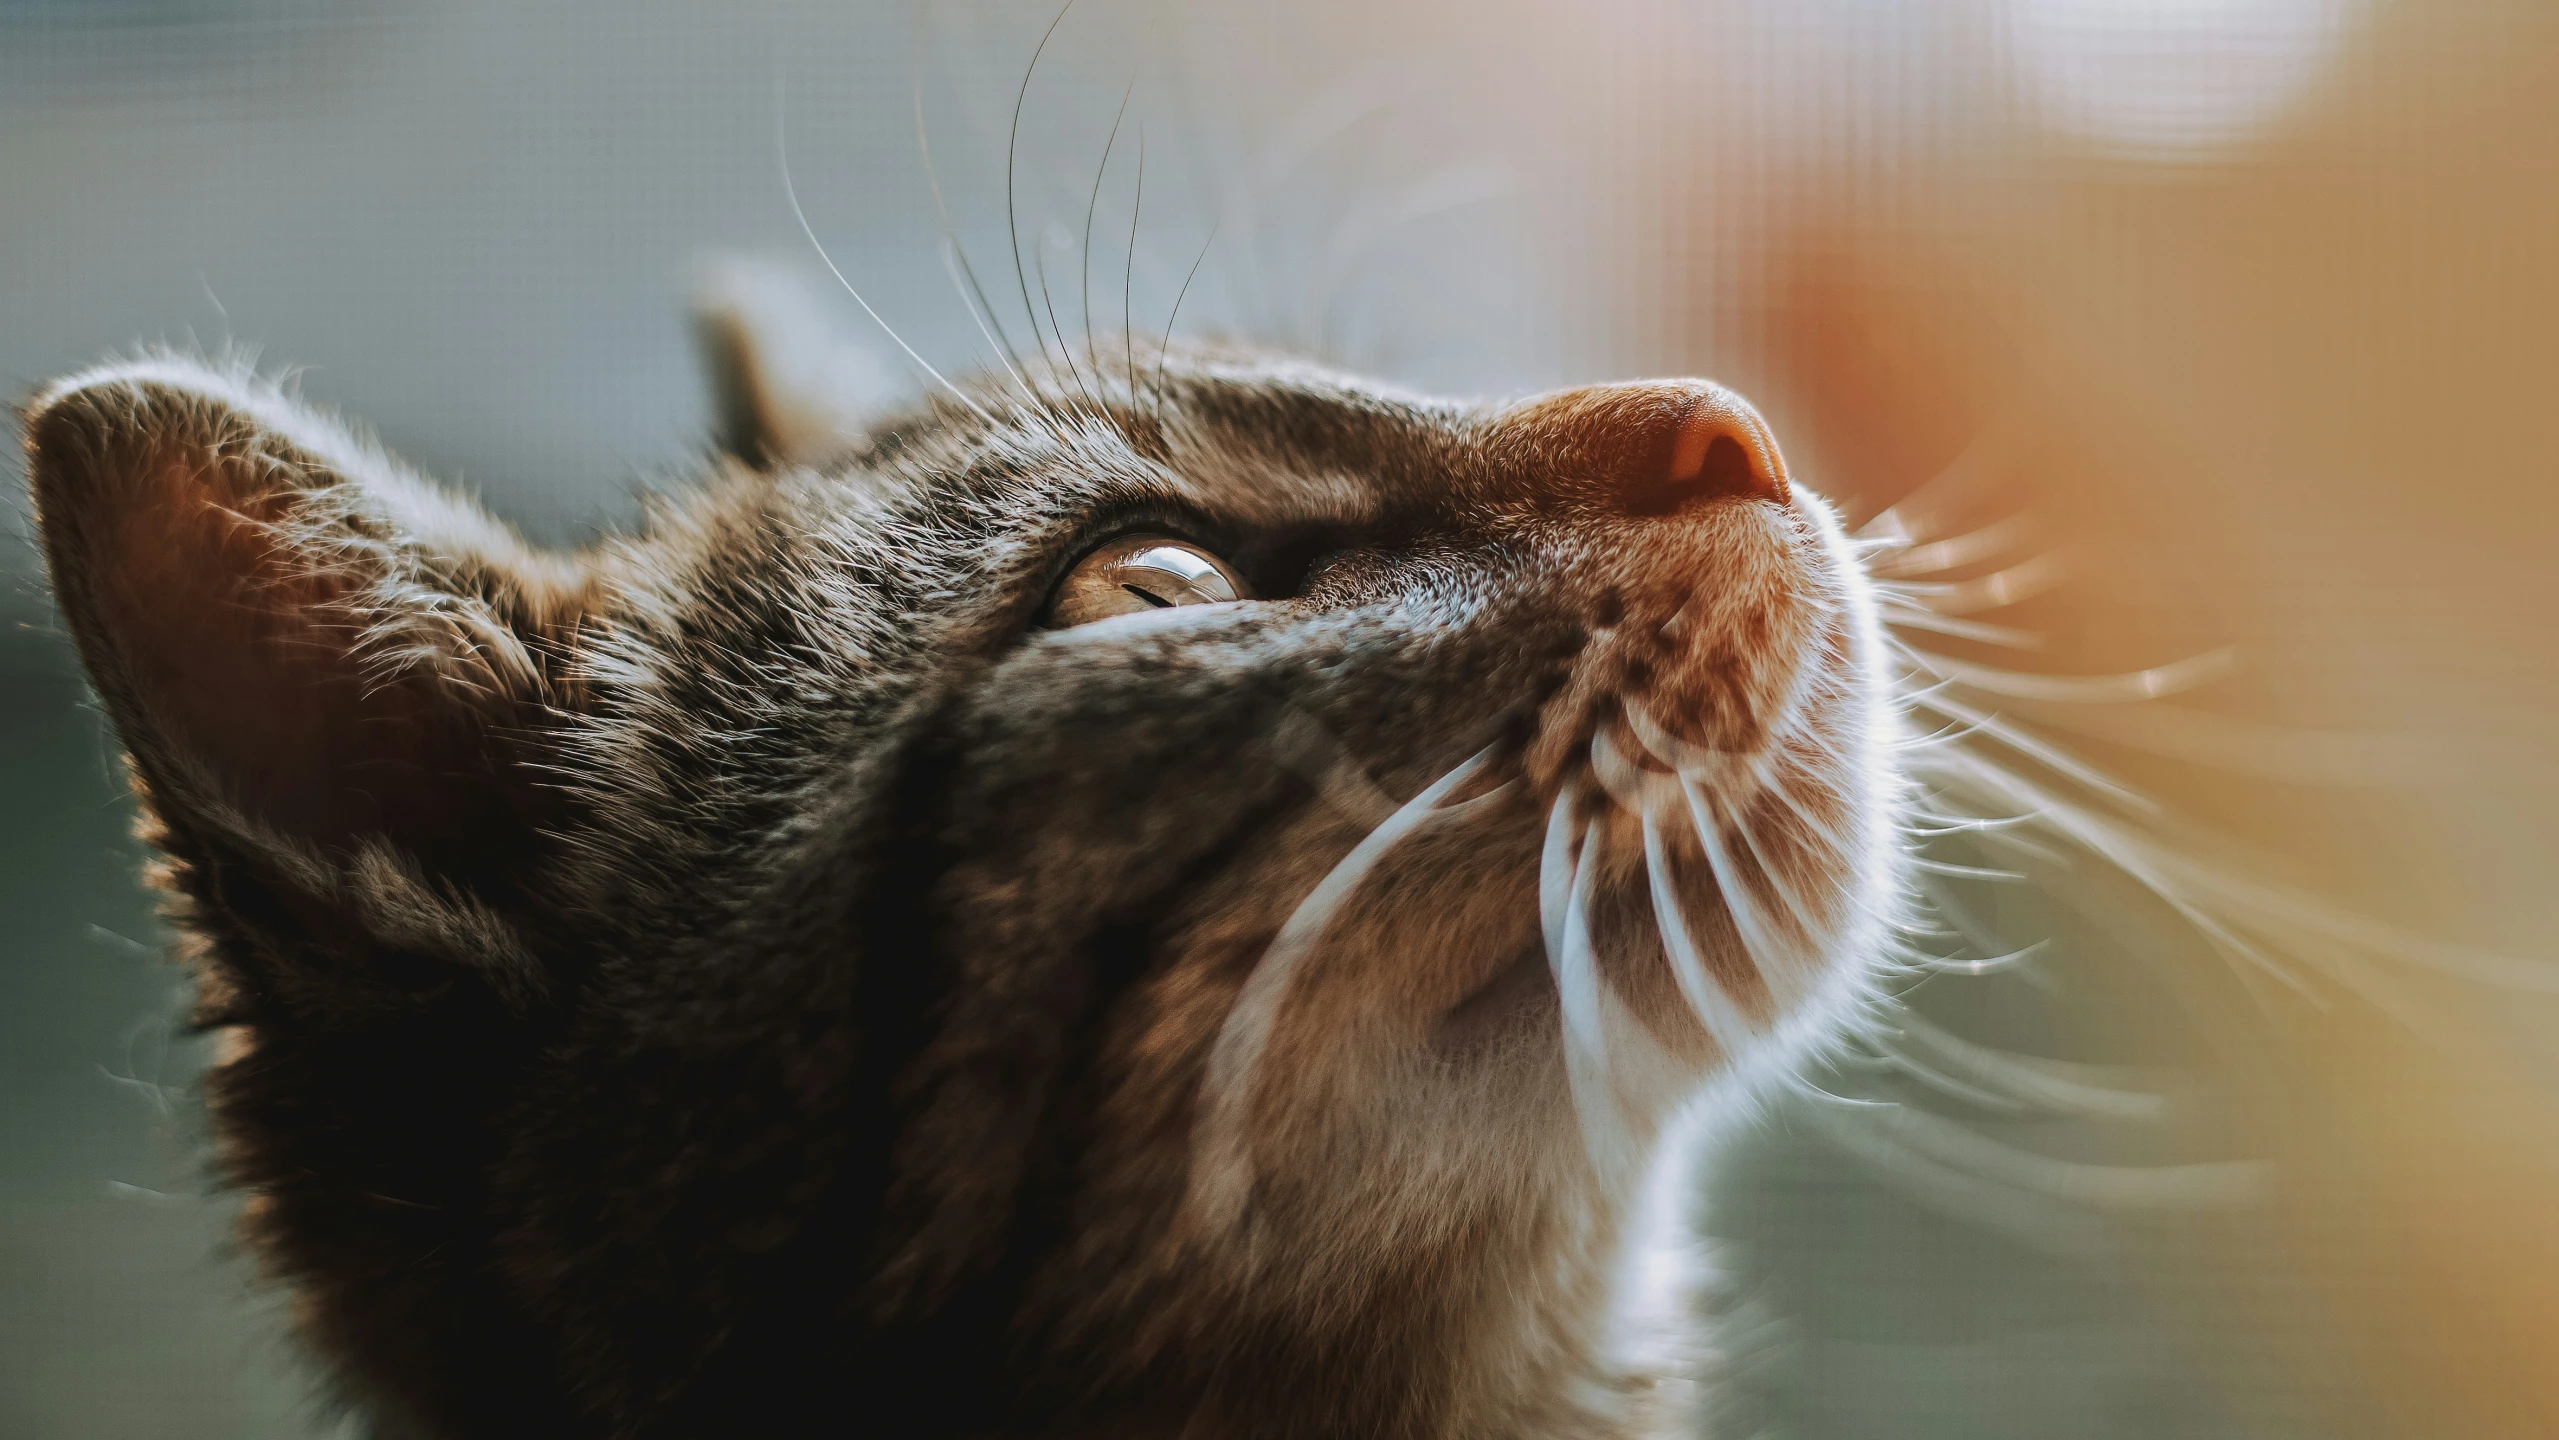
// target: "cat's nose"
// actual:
[[1652, 448], [1721, 446]]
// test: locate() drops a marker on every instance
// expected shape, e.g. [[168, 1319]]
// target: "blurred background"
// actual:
[[2168, 331]]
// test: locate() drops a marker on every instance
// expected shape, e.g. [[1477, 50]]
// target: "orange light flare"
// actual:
[[2243, 318]]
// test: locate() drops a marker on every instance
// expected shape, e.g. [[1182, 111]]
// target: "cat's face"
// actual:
[[851, 927]]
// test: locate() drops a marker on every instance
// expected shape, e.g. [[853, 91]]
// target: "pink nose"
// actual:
[[1653, 447], [1724, 448]]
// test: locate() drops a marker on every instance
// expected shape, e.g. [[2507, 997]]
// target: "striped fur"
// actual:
[[750, 970]]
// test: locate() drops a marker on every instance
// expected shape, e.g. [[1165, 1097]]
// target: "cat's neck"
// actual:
[[1552, 1341]]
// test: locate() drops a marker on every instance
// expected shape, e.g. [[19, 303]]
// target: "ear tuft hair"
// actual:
[[289, 628]]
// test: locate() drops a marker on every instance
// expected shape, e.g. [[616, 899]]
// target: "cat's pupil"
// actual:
[[1149, 596]]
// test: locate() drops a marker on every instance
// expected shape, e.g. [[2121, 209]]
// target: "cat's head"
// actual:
[[1192, 888]]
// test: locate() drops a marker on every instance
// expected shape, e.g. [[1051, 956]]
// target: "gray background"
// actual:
[[475, 224]]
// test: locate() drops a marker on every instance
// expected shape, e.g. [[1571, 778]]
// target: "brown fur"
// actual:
[[748, 971]]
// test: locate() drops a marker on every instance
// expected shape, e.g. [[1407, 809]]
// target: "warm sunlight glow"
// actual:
[[2168, 79]]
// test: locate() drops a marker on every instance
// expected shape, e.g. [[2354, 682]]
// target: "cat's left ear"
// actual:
[[316, 658]]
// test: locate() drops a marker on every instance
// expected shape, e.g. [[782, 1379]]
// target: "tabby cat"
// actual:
[[1173, 892]]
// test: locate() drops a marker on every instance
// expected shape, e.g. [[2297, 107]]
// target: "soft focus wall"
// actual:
[[2239, 313]]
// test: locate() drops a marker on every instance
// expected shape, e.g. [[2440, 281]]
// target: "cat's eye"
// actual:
[[1142, 572]]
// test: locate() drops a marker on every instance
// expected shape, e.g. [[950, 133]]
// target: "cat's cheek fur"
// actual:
[[1367, 1174]]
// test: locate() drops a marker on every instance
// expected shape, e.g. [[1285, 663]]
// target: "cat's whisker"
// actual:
[[1966, 872], [1555, 867], [1758, 776], [1884, 530], [1820, 829], [2050, 1086], [1992, 449], [1307, 748], [1802, 1087], [1714, 1009], [2157, 682], [2123, 848], [1968, 927], [1954, 733], [1766, 951], [791, 192], [1039, 265], [1627, 782], [1971, 548], [1223, 1176], [1938, 822], [1012, 148], [1991, 965], [972, 295], [1893, 1062], [1576, 965], [953, 263], [2083, 1186], [2017, 583], [1166, 349], [1809, 930], [1917, 923], [1909, 693], [1902, 617], [2008, 839], [1724, 771], [2013, 737], [1582, 998], [1128, 272], [1084, 253], [1713, 767], [1702, 779]]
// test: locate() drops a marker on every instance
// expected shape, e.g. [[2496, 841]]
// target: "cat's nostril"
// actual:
[[1720, 448], [1725, 470]]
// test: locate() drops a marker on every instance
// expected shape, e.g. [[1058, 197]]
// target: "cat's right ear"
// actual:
[[786, 388], [330, 674]]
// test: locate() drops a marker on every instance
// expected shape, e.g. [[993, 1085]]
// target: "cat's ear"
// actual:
[[787, 387], [315, 657]]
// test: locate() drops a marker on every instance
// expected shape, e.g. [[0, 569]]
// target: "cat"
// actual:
[[1170, 891]]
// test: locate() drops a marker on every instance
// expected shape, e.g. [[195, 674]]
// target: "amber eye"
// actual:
[[1142, 572]]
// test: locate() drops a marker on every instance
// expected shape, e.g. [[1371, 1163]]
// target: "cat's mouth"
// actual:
[[1702, 779]]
